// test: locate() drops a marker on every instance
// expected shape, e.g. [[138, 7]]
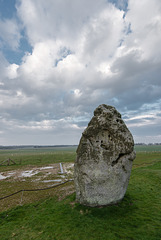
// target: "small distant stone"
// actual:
[[104, 159]]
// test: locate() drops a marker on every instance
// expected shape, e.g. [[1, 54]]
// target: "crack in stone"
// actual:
[[117, 160], [124, 169], [104, 146]]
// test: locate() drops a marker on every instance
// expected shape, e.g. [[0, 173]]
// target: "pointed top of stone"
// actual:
[[106, 109], [103, 108]]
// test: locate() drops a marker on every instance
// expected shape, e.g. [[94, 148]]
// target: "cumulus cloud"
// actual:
[[146, 34], [9, 33], [83, 54]]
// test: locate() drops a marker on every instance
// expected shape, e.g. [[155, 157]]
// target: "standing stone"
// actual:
[[104, 159]]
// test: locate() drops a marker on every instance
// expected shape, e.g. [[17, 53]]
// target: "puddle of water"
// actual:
[[55, 180], [62, 176], [10, 174], [28, 173], [2, 177], [43, 168]]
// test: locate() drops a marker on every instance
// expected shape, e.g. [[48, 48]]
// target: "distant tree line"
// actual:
[[56, 146], [147, 144], [34, 146]]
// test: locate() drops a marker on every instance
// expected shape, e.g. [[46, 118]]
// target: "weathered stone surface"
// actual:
[[104, 159]]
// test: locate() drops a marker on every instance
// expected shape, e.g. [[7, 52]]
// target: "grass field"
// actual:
[[54, 214], [38, 156], [148, 148]]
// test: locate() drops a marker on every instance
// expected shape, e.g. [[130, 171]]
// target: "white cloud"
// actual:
[[101, 36], [12, 71], [84, 53], [9, 33], [145, 19], [77, 93], [56, 19]]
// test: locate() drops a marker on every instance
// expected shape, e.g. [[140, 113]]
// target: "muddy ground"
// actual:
[[56, 172], [32, 177]]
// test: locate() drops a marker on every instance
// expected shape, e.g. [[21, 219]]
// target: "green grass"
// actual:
[[38, 157], [148, 148], [137, 217]]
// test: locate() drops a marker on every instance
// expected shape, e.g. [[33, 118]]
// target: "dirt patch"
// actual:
[[65, 191], [47, 174], [32, 177]]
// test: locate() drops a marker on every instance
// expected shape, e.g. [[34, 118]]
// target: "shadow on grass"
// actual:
[[122, 209]]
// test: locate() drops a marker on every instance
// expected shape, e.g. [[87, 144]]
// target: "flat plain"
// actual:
[[54, 214]]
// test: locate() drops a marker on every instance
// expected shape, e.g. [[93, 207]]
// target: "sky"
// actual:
[[61, 59]]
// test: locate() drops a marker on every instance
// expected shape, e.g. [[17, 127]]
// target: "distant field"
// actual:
[[148, 148], [43, 156], [38, 156], [54, 215], [32, 150]]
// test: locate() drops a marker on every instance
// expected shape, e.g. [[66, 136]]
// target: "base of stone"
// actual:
[[96, 205]]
